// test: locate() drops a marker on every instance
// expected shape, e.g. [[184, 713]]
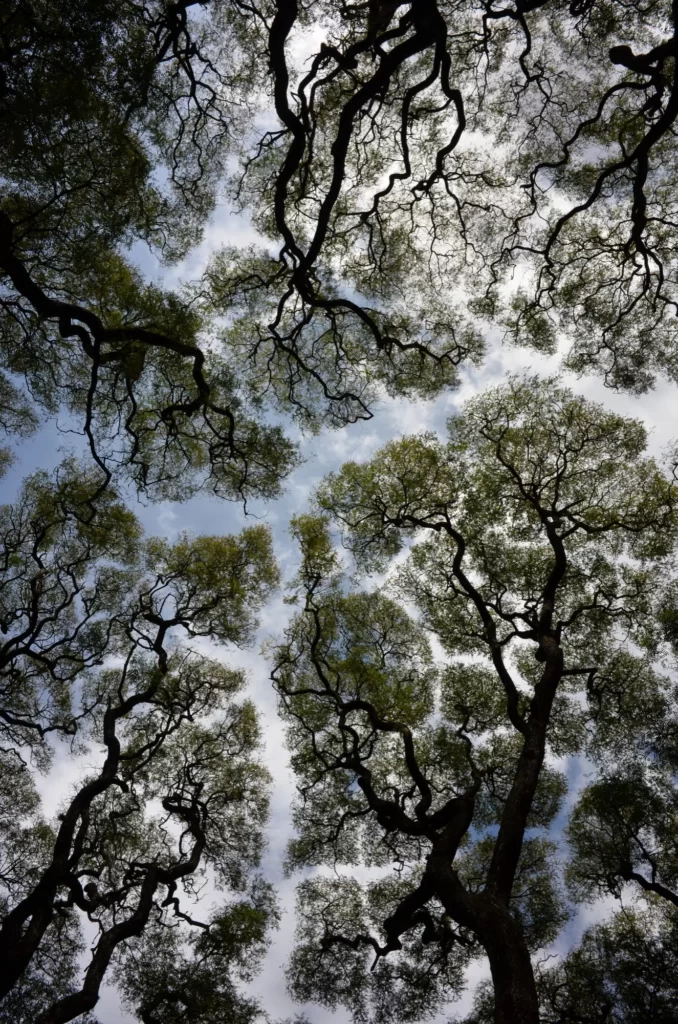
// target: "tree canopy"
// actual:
[[437, 163], [543, 564], [417, 175], [420, 169], [101, 631], [116, 121]]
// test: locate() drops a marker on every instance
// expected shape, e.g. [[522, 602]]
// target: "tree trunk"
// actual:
[[515, 992], [18, 946]]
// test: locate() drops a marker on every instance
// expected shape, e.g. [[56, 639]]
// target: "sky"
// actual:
[[322, 454]]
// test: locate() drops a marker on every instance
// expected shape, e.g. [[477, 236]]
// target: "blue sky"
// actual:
[[322, 453]]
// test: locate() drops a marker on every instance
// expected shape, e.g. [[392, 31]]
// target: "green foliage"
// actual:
[[117, 120], [223, 580], [53, 974], [623, 829], [517, 447], [373, 660], [420, 162], [68, 552], [536, 546], [315, 352], [423, 157], [537, 903], [355, 973], [27, 840], [97, 625], [165, 981], [624, 971]]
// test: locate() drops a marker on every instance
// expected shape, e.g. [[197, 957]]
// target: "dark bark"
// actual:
[[23, 928], [483, 910], [486, 914], [519, 802], [77, 1003], [515, 992]]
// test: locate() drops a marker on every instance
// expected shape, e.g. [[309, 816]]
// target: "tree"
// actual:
[[167, 986], [623, 971], [424, 155], [117, 121], [101, 101], [439, 162], [66, 564], [542, 564], [93, 616], [423, 158]]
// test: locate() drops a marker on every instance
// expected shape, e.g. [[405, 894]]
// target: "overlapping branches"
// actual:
[[91, 649], [429, 156], [526, 511], [316, 183], [100, 103], [184, 428]]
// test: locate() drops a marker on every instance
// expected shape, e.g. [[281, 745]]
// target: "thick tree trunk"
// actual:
[[515, 992], [18, 945]]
